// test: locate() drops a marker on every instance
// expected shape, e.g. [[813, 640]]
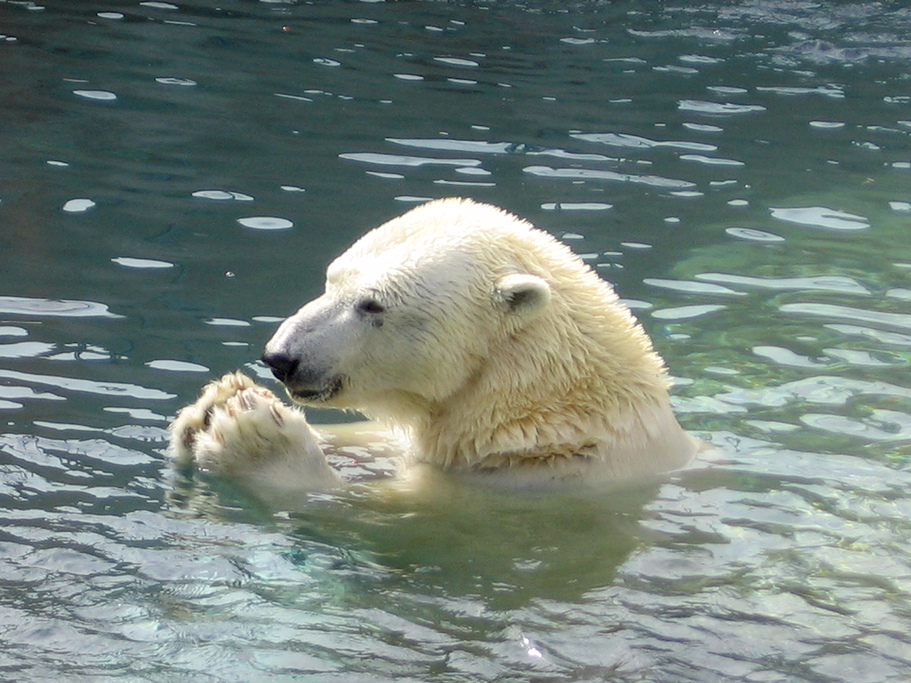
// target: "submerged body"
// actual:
[[491, 346]]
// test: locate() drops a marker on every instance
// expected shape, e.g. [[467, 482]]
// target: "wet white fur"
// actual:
[[500, 354]]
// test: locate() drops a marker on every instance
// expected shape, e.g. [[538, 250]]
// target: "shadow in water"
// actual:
[[448, 537]]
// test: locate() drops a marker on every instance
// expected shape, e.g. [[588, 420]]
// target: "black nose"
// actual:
[[281, 364]]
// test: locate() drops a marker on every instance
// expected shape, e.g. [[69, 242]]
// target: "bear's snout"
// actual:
[[303, 352], [304, 383], [281, 364]]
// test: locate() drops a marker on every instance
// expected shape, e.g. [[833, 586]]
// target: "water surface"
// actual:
[[174, 178]]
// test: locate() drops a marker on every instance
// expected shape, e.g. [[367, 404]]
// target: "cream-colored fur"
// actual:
[[488, 342], [239, 430]]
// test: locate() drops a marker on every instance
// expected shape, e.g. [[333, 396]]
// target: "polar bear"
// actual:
[[487, 343]]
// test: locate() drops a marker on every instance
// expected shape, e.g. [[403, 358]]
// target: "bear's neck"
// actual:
[[607, 401], [645, 437]]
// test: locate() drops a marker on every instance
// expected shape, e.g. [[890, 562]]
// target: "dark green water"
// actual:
[[174, 178]]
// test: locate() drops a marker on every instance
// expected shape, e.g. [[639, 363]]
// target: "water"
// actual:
[[174, 178]]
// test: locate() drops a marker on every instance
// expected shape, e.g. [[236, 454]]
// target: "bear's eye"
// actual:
[[370, 306]]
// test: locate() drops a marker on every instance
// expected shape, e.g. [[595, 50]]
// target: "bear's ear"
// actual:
[[523, 294]]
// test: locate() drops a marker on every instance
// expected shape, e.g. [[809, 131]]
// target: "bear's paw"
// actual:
[[240, 430]]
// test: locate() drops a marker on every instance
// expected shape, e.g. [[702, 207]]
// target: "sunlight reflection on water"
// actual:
[[738, 170]]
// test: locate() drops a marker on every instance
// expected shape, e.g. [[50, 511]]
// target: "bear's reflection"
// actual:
[[439, 534]]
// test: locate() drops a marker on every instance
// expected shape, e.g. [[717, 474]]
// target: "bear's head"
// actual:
[[410, 311], [459, 316]]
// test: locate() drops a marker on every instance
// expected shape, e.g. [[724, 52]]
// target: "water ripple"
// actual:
[[711, 161], [638, 142], [718, 108], [265, 223], [833, 91], [398, 160], [889, 338], [141, 263], [822, 283], [613, 176], [25, 349], [690, 287], [881, 425], [78, 205], [783, 555], [97, 95], [176, 366], [223, 195], [686, 312], [829, 390], [66, 308], [753, 235], [472, 146], [821, 217], [901, 321], [88, 386]]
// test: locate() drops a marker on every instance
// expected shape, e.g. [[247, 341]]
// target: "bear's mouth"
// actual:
[[322, 394]]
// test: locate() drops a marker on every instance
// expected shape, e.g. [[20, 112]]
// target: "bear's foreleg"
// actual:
[[239, 430]]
